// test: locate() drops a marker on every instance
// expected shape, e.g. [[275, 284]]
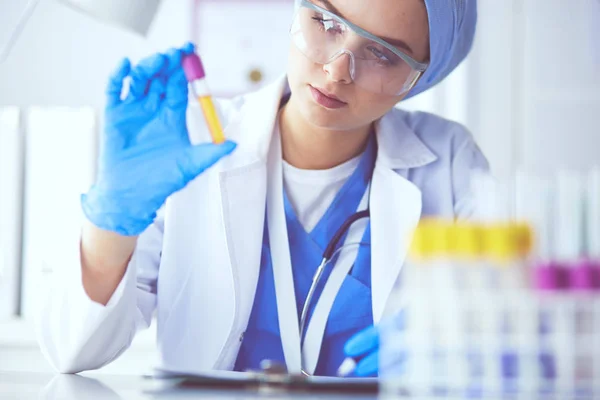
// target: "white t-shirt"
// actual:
[[311, 192]]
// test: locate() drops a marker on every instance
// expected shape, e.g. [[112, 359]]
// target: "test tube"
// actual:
[[501, 252], [571, 229], [575, 367], [447, 370], [466, 248], [593, 252], [593, 220], [194, 72], [416, 283], [535, 203]]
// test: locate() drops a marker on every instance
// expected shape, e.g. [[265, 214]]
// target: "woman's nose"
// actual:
[[340, 68]]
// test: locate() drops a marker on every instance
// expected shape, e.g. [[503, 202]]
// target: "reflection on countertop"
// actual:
[[25, 386]]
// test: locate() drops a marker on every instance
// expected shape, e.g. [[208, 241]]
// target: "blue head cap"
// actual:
[[451, 32]]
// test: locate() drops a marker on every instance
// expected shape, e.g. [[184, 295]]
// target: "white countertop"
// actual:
[[25, 386], [19, 351], [25, 374]]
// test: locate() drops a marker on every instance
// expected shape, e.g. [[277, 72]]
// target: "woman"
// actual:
[[227, 263]]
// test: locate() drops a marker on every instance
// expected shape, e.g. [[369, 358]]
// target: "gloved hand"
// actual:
[[146, 154], [364, 346]]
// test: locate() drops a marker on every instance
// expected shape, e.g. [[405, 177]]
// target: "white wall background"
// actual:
[[61, 59], [64, 58], [537, 84], [530, 93], [560, 114], [532, 78], [230, 53]]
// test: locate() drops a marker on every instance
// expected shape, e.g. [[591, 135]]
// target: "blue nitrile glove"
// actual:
[[364, 346], [146, 154]]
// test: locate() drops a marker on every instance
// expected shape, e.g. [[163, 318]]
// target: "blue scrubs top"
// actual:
[[351, 311]]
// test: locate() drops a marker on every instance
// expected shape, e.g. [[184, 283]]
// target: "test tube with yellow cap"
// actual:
[[195, 75]]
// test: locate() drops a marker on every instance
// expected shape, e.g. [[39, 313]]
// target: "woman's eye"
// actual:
[[381, 57], [329, 24]]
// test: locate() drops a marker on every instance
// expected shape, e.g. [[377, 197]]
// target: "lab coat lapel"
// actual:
[[395, 204], [243, 186], [395, 212]]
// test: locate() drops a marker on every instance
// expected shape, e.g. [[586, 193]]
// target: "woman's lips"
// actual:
[[326, 100]]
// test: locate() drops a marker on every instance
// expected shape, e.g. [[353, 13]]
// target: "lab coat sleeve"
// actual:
[[78, 334], [468, 163]]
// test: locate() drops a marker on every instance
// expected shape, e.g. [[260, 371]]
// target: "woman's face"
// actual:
[[398, 20]]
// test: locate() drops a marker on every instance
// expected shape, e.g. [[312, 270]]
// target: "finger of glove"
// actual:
[[199, 158], [114, 88], [174, 57], [363, 342], [177, 90], [156, 94], [144, 72], [188, 48], [368, 366]]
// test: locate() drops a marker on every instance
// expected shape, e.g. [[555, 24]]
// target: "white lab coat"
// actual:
[[197, 266]]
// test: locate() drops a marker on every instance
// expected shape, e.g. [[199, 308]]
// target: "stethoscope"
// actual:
[[331, 251], [328, 254], [302, 338]]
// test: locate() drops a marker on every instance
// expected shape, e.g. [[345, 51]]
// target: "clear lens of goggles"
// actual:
[[323, 37]]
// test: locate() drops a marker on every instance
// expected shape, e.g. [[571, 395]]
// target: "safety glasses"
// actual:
[[374, 64]]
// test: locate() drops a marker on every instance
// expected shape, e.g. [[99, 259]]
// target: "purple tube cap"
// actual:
[[547, 277], [192, 67], [583, 276]]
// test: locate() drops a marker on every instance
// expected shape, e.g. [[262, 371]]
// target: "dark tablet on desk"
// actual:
[[230, 380]]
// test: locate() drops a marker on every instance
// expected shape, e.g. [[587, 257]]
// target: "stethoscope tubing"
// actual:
[[328, 254]]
